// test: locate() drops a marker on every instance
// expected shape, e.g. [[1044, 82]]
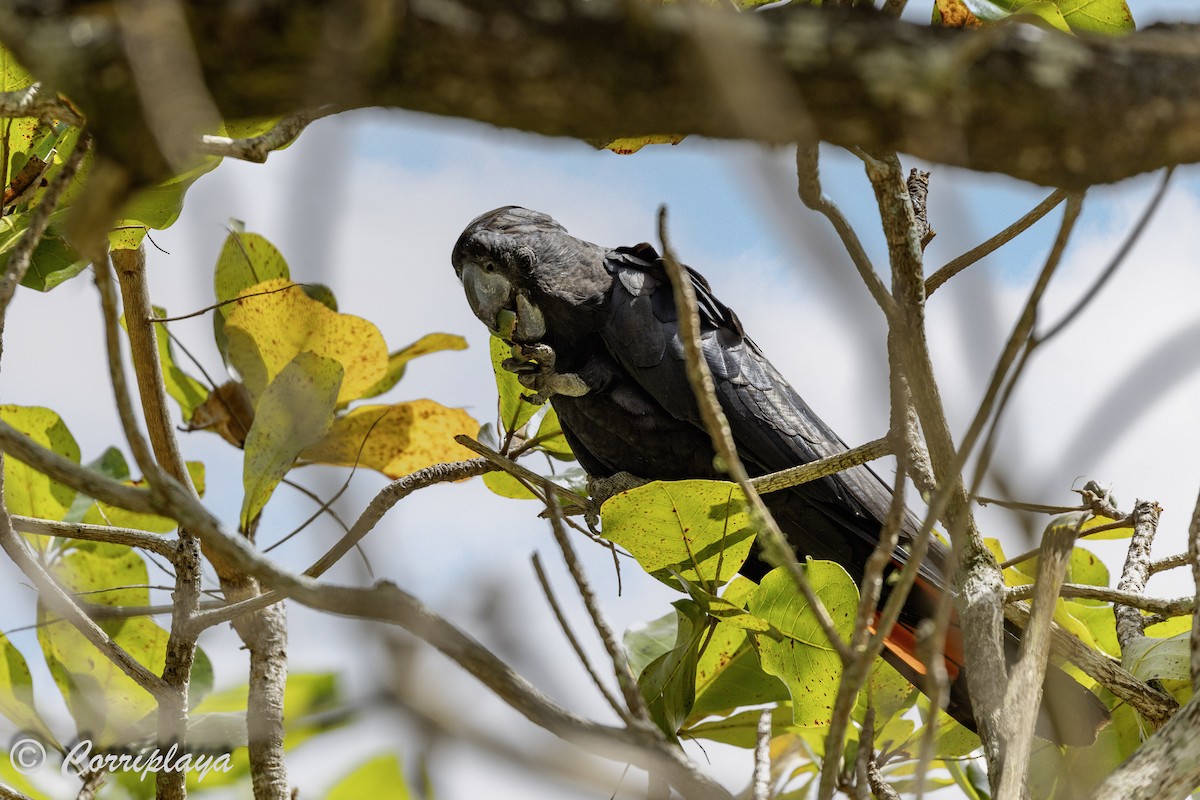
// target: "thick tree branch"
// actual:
[[1030, 102]]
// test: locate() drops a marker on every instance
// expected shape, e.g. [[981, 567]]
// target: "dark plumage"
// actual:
[[601, 337]]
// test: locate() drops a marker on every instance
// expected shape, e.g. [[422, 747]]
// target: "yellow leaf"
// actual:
[[631, 144], [27, 491], [396, 439], [398, 361], [274, 321]]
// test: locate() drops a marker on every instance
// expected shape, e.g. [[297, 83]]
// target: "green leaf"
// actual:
[[1097, 16], [1090, 16], [53, 260], [551, 439], [27, 491], [295, 411], [246, 259], [740, 730], [506, 485], [200, 685], [381, 778], [398, 360], [16, 691], [729, 674], [805, 661], [887, 691], [698, 530], [669, 682], [514, 411], [105, 703], [155, 208], [1163, 659], [646, 641]]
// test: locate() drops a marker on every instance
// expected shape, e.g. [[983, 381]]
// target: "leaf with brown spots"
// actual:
[[396, 439], [295, 411], [697, 530], [805, 660], [272, 322]]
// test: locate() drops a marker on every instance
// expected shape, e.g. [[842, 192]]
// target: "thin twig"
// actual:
[[155, 543], [1115, 525], [1194, 554], [33, 101], [821, 468], [1110, 269], [1171, 562], [639, 714], [1018, 505], [257, 148], [957, 265], [387, 497], [622, 712], [809, 188], [116, 373], [1164, 607], [506, 464], [774, 545]]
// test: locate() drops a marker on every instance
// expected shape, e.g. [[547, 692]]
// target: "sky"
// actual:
[[372, 202]]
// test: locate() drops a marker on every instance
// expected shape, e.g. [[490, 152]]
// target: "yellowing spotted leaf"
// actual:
[[631, 144], [274, 321], [296, 410], [396, 439]]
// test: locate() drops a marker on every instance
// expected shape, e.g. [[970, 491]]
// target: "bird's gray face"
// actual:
[[499, 304], [495, 270]]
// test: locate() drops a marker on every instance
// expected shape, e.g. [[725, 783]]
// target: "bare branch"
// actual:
[[1154, 705], [1023, 695], [957, 265], [155, 543], [821, 468], [761, 783], [1019, 97], [544, 582], [1167, 608], [34, 102], [1136, 572], [257, 148], [808, 185]]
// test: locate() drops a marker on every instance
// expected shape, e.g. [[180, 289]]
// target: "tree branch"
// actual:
[[1027, 101]]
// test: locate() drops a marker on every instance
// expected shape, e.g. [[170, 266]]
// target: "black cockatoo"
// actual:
[[597, 331]]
